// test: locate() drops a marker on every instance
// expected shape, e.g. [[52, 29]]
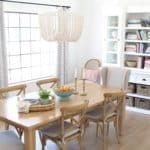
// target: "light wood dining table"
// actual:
[[32, 121]]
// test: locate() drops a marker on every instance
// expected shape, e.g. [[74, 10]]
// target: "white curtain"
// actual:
[[3, 56], [63, 62]]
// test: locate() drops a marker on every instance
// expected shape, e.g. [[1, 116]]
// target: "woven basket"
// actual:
[[45, 107]]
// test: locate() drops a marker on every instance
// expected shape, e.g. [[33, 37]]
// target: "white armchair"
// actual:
[[115, 77]]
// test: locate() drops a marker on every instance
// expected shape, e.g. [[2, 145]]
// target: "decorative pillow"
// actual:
[[91, 74]]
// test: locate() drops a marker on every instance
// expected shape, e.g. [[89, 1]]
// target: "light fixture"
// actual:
[[61, 25]]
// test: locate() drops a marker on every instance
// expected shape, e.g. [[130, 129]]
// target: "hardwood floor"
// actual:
[[136, 136]]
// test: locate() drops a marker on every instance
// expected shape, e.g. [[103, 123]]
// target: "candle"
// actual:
[[75, 73], [83, 74]]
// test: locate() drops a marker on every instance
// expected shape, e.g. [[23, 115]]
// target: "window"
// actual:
[[29, 57]]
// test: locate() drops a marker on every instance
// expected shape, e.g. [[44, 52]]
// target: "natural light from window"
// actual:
[[28, 56]]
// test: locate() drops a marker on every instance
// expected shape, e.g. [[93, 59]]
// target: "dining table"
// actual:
[[32, 121]]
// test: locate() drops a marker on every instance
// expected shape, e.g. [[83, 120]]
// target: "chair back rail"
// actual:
[[71, 113], [51, 81], [115, 98], [20, 89]]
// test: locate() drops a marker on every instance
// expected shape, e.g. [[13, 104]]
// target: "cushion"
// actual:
[[97, 113], [91, 74], [10, 141], [54, 129]]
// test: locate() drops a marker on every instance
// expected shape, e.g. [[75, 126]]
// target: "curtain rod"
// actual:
[[30, 3]]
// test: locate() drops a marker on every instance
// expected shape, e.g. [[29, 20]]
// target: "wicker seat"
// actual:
[[108, 112], [63, 131], [18, 89], [9, 140], [51, 82]]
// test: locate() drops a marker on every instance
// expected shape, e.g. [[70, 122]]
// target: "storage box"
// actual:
[[143, 90], [142, 103]]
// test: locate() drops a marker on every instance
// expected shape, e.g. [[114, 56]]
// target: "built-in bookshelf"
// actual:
[[127, 44], [137, 41]]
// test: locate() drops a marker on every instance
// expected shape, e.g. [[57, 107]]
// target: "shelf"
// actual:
[[137, 54], [112, 52], [137, 41], [112, 27], [139, 83], [112, 40], [138, 69], [138, 96], [137, 28]]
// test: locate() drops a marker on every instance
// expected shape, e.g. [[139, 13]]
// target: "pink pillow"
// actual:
[[91, 74]]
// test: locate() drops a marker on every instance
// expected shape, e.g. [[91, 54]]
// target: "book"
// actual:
[[143, 35], [139, 62]]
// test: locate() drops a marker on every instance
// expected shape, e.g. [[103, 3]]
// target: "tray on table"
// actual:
[[37, 106]]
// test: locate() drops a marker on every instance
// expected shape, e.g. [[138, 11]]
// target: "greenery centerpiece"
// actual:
[[45, 96]]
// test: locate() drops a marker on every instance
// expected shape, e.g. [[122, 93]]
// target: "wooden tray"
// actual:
[[43, 107]]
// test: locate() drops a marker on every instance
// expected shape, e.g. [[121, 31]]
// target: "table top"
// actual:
[[9, 111]]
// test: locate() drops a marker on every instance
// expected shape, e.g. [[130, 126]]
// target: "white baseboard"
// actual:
[[138, 110]]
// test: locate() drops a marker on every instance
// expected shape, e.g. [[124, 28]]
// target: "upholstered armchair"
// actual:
[[115, 77]]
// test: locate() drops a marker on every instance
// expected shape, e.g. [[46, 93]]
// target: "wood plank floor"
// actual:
[[136, 136]]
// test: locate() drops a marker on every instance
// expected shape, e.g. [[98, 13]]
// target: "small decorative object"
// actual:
[[83, 79], [23, 106], [75, 82], [131, 63], [45, 96], [64, 92]]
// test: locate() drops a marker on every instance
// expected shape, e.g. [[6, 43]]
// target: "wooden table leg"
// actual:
[[29, 139], [122, 117]]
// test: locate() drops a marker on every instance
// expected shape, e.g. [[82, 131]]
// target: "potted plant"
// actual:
[[45, 96]]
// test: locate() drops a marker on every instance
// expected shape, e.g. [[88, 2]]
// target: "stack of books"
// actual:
[[131, 36], [131, 47], [135, 47], [134, 23]]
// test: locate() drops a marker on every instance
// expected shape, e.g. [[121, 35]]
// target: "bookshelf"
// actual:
[[132, 49], [137, 40]]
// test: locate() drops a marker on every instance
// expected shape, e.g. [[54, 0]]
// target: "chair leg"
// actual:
[[116, 129], [43, 141], [107, 128], [80, 141], [63, 146], [86, 124], [97, 129], [104, 136]]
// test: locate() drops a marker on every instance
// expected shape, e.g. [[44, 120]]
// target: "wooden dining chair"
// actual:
[[108, 112], [9, 140], [91, 70], [63, 131], [51, 82], [18, 89]]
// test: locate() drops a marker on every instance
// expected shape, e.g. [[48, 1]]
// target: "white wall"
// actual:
[[90, 43]]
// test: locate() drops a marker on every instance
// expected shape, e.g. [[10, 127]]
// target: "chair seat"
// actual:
[[9, 140], [97, 113], [54, 130]]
